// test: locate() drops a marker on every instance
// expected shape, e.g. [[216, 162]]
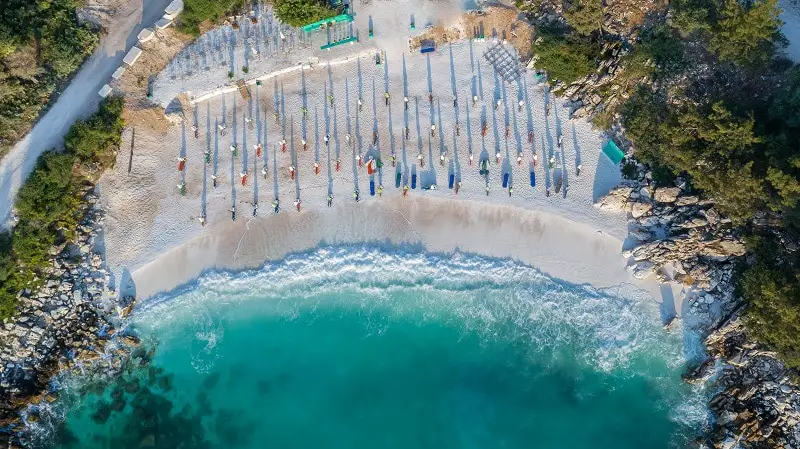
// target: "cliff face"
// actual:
[[676, 236]]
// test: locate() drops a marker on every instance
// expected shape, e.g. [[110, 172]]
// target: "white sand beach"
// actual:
[[154, 231]]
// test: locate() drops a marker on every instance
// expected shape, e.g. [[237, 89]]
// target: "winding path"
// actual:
[[78, 100]]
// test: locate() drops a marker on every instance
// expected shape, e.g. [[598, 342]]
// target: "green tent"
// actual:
[[613, 152]]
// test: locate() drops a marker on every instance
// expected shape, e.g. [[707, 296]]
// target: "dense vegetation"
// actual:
[[41, 45], [293, 12], [709, 96], [48, 205], [196, 12]]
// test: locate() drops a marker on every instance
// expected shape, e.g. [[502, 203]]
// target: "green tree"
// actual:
[[302, 12], [772, 289], [745, 34], [585, 16], [566, 59]]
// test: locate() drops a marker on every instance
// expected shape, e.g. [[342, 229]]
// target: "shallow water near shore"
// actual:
[[360, 347]]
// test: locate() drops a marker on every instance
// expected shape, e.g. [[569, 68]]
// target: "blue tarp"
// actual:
[[414, 181], [505, 180], [451, 181], [397, 179], [533, 179], [372, 187]]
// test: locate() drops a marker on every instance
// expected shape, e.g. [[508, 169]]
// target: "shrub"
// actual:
[[302, 12], [91, 140], [41, 45], [566, 59], [196, 12], [585, 16], [48, 203]]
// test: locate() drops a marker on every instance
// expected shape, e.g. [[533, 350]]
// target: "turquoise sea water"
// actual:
[[363, 348]]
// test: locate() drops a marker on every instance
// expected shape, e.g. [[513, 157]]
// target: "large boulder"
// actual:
[[667, 194], [723, 248], [639, 209]]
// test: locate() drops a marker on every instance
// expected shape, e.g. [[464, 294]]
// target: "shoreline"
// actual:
[[558, 247]]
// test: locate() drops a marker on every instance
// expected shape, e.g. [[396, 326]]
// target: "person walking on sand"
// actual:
[[283, 145], [458, 187], [520, 105], [258, 149], [578, 169], [430, 97], [355, 195], [405, 101], [535, 159], [519, 159], [347, 139], [474, 100], [394, 160], [202, 220], [234, 150], [264, 172], [291, 171], [327, 139], [276, 204], [181, 163], [196, 131], [433, 130], [182, 188], [421, 160], [386, 96], [255, 209], [497, 157], [380, 190], [316, 168], [358, 160], [360, 105], [510, 189], [407, 132], [405, 190], [243, 175], [305, 144], [214, 180], [338, 164], [552, 162], [233, 213], [484, 128], [330, 98], [530, 137], [330, 200], [470, 158], [297, 204], [304, 111], [441, 159], [487, 190]]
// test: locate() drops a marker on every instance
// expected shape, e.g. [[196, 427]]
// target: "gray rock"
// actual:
[[667, 194]]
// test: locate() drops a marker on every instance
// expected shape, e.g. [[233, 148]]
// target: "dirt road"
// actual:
[[78, 100]]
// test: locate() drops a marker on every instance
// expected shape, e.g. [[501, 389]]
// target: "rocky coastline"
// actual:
[[66, 324], [755, 400]]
